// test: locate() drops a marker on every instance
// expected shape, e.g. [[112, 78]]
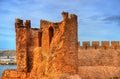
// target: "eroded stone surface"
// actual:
[[48, 52], [53, 52]]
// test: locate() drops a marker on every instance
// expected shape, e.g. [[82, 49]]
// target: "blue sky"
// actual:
[[97, 19]]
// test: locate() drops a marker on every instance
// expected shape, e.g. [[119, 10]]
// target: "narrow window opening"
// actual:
[[40, 39], [51, 34]]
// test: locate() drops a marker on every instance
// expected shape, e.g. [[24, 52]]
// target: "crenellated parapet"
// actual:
[[115, 44], [95, 44], [86, 44], [100, 45], [20, 24]]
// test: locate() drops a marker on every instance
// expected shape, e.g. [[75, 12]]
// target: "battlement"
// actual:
[[20, 24], [98, 44], [66, 16], [43, 23]]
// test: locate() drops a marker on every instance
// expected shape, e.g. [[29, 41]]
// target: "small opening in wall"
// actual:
[[40, 39], [51, 34]]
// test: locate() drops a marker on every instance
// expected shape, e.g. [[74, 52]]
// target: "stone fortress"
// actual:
[[53, 52]]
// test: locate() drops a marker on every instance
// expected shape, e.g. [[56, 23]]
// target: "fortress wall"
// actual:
[[96, 45], [45, 40], [54, 51], [64, 46], [115, 44], [22, 37], [99, 72], [71, 43], [105, 44], [99, 57], [32, 43], [27, 39], [50, 51], [86, 44]]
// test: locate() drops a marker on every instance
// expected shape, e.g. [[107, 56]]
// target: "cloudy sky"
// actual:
[[97, 19]]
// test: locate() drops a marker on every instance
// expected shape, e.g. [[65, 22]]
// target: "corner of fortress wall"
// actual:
[[51, 51]]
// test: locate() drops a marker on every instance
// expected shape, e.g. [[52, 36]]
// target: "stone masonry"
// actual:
[[53, 52], [50, 52]]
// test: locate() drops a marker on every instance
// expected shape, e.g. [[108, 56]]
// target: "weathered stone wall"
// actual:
[[100, 62], [65, 47], [95, 44], [47, 53], [53, 52], [33, 42], [105, 54], [99, 57], [86, 44], [21, 45], [115, 44]]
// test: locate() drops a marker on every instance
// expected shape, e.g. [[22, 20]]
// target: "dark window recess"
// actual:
[[40, 39], [51, 34]]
